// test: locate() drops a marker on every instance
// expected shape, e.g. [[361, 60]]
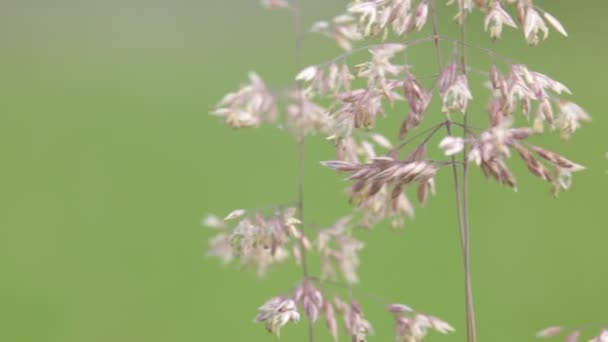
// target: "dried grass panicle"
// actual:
[[393, 205], [343, 29], [256, 240], [411, 326], [389, 201], [304, 116], [385, 170], [556, 159], [378, 187], [491, 148], [327, 81], [339, 251], [495, 18], [357, 108], [454, 90], [535, 167], [563, 169], [550, 331], [533, 24], [310, 299], [380, 68], [358, 146], [355, 323], [418, 100], [377, 17], [572, 335], [525, 86], [342, 101], [277, 312], [602, 337], [249, 106], [570, 117]]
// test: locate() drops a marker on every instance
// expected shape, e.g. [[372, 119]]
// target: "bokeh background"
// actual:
[[109, 161]]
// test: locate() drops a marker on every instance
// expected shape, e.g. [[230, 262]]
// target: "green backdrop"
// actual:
[[109, 161]]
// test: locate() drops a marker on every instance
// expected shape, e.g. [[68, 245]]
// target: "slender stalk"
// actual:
[[461, 195], [471, 332], [436, 35], [448, 124], [297, 10]]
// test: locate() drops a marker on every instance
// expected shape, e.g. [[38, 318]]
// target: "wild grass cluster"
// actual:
[[341, 102]]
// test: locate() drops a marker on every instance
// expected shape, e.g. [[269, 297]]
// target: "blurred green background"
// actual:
[[109, 161]]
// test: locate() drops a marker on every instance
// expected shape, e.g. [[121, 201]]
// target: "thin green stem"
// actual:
[[471, 331], [301, 148], [448, 125]]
